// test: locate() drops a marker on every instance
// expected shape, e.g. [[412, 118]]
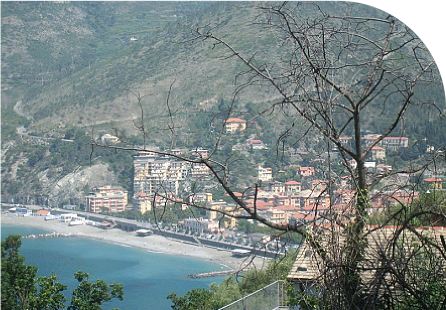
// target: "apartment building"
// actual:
[[107, 199], [153, 173], [165, 175], [142, 203]]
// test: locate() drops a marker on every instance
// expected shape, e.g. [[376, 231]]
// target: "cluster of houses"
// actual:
[[165, 176], [160, 179]]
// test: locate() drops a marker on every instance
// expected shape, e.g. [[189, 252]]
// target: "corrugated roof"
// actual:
[[309, 265]]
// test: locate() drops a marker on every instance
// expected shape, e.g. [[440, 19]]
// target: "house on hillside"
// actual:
[[319, 185], [216, 209], [378, 153], [199, 152], [233, 125], [257, 144], [346, 141], [306, 171], [293, 187], [395, 143], [434, 183], [278, 187], [264, 174], [200, 198]]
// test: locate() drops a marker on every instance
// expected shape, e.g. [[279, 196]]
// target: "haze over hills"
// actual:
[[75, 67], [77, 60]]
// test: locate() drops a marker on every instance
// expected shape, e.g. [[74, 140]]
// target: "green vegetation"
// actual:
[[57, 158], [22, 289], [219, 295], [82, 77], [427, 210]]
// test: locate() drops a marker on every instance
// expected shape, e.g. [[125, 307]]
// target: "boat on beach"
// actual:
[[76, 221], [50, 217], [144, 232], [241, 253], [67, 217]]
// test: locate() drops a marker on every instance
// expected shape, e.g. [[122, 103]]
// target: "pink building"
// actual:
[[107, 199]]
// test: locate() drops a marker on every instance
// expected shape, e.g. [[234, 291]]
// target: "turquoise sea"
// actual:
[[147, 277]]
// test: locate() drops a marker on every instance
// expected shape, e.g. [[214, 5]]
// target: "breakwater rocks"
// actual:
[[210, 274], [50, 235]]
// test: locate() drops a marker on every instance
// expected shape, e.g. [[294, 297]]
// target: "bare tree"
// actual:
[[332, 72]]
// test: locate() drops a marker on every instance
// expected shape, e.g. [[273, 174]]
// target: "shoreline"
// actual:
[[155, 243]]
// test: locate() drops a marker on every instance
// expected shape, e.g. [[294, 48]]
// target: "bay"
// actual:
[[147, 277]]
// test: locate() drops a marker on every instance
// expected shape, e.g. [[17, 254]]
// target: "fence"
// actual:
[[271, 297]]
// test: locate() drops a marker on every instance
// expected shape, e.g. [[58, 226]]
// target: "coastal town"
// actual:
[[221, 155], [164, 178]]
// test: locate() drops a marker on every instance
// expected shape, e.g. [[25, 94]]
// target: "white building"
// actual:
[[265, 174], [199, 225]]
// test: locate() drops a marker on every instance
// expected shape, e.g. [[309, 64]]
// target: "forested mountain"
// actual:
[[75, 62], [75, 70]]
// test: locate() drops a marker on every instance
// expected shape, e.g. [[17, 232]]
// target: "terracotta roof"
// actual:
[[401, 138], [260, 205], [304, 216], [433, 180], [292, 182], [306, 168], [314, 208], [43, 212], [235, 120], [286, 208]]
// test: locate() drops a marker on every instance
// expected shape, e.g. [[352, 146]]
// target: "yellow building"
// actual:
[[435, 183], [142, 203], [233, 125], [378, 153], [215, 210]]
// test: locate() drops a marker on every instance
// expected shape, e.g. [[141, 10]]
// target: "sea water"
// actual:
[[147, 277]]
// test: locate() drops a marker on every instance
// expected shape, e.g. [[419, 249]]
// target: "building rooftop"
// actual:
[[235, 120]]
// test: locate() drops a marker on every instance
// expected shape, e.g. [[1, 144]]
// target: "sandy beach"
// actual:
[[153, 243]]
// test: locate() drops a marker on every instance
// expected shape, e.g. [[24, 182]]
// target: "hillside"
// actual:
[[74, 64], [76, 69]]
